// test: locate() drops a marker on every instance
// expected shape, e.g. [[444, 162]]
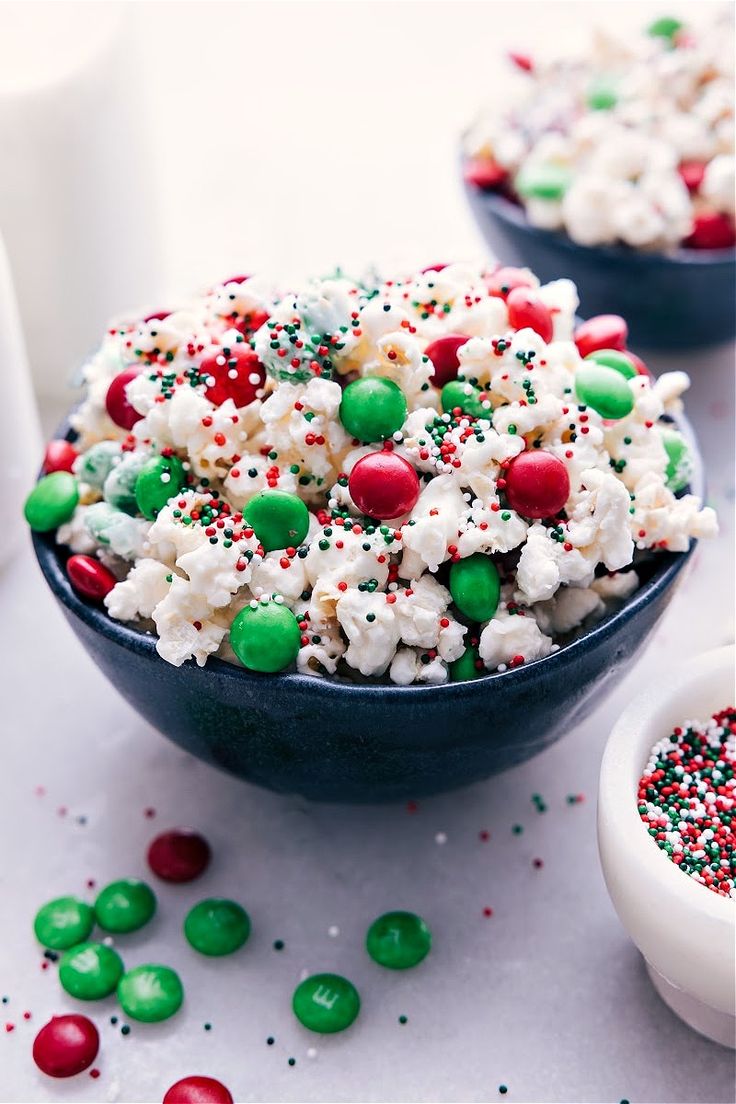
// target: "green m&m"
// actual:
[[601, 95], [398, 940], [265, 637], [475, 586], [326, 1003], [150, 993], [119, 488], [604, 389], [51, 502], [543, 182], [679, 459], [125, 905], [217, 926], [614, 358], [372, 408], [464, 669], [90, 971], [458, 393], [63, 923], [160, 478], [94, 465], [278, 518], [665, 27]]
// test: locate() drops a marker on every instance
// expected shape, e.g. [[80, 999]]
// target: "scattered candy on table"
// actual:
[[63, 923], [326, 1003], [90, 971], [217, 926], [198, 1090], [66, 1045], [179, 855], [398, 940], [125, 905], [150, 993]]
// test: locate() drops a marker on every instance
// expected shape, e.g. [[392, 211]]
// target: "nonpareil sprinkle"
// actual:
[[686, 798]]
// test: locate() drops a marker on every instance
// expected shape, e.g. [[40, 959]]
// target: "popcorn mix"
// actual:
[[424, 478], [632, 143]]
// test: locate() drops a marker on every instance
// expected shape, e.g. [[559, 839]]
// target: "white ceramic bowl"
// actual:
[[686, 933]]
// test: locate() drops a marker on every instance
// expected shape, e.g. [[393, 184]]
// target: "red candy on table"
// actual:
[[89, 577], [504, 280], [603, 331], [179, 855], [237, 375], [59, 456], [484, 173], [692, 173], [120, 410], [383, 485], [537, 484], [526, 310], [443, 354], [66, 1045], [198, 1090], [711, 230]]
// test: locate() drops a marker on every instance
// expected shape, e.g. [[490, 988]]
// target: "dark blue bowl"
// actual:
[[334, 740], [680, 300]]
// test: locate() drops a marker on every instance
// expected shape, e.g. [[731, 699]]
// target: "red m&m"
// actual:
[[692, 173], [443, 354], [198, 1090], [89, 577], [59, 456], [537, 484], [712, 230], [122, 412], [233, 373], [66, 1045], [179, 855], [527, 311], [383, 485], [484, 173], [504, 280], [603, 331]]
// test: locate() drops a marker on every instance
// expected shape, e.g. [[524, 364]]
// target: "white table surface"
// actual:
[[547, 995]]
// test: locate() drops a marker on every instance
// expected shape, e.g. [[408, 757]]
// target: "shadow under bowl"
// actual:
[[341, 741], [681, 300]]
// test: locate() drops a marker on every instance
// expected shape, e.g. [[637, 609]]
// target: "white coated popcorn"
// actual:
[[507, 636]]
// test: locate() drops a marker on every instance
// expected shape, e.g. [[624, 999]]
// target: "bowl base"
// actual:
[[715, 1025]]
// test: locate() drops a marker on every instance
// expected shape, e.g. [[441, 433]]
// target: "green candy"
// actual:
[[326, 1003], [125, 906], [120, 484], [605, 390], [63, 923], [464, 669], [601, 96], [94, 465], [372, 408], [398, 940], [113, 529], [612, 358], [217, 926], [475, 586], [160, 478], [459, 393], [150, 993], [51, 502], [679, 459], [278, 518], [265, 638], [90, 971], [664, 27], [543, 182]]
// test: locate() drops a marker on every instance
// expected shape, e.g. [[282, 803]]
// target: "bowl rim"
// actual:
[[629, 743], [515, 214], [49, 555]]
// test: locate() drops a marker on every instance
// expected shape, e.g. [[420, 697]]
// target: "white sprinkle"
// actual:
[[165, 477], [333, 931], [311, 1052], [440, 838]]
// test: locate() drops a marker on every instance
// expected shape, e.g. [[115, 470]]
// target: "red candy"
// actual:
[[66, 1045], [521, 61], [537, 484], [89, 577], [59, 456], [116, 402], [504, 280], [236, 279], [443, 354], [157, 316], [526, 310], [484, 173], [179, 855], [433, 268], [639, 364], [383, 485], [692, 173], [248, 378], [603, 331], [198, 1090], [712, 230]]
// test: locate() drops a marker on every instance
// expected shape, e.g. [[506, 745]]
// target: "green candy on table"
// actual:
[[150, 993], [125, 905], [94, 465], [464, 669], [326, 1003], [458, 393], [475, 586], [679, 459], [372, 408], [543, 182], [217, 926], [90, 971], [605, 390], [665, 27], [51, 502], [613, 358], [63, 923], [160, 478], [265, 638], [120, 484], [279, 519], [601, 95], [398, 940]]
